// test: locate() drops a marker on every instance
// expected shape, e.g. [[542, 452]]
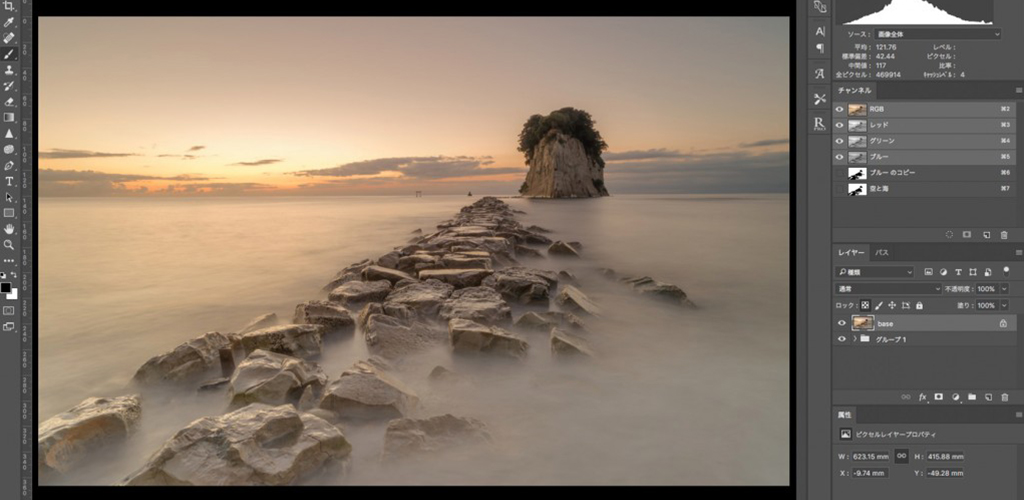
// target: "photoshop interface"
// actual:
[[908, 253], [915, 224]]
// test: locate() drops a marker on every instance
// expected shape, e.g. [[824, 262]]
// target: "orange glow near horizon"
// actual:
[[244, 103]]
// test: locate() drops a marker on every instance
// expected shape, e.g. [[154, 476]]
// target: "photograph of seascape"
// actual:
[[419, 251]]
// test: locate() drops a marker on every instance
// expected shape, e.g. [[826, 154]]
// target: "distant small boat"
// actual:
[[470, 194]]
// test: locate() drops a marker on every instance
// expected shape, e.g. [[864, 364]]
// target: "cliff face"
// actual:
[[560, 168]]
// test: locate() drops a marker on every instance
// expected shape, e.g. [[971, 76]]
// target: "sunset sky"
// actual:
[[256, 106]]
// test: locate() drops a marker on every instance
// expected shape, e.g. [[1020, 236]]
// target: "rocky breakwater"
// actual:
[[466, 288]]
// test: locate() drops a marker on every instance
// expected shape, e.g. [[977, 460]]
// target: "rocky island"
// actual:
[[282, 418], [563, 151]]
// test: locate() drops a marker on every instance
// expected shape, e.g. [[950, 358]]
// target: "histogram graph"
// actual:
[[915, 12]]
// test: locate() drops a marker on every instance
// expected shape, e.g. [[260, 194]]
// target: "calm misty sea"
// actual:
[[697, 397]]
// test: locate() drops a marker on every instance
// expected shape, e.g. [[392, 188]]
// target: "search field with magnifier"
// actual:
[[874, 272]]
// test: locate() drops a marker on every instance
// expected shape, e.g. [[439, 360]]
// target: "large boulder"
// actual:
[[569, 320], [572, 299], [412, 247], [389, 259], [545, 321], [522, 285], [514, 237], [301, 341], [471, 231], [536, 321], [271, 378], [269, 319], [423, 298], [459, 278], [334, 318], [341, 280], [524, 251], [474, 254], [467, 260], [493, 245], [535, 239], [258, 445], [481, 304], [358, 292], [365, 313], [374, 273], [566, 345], [367, 392], [351, 273], [442, 374], [405, 282], [468, 336], [416, 261], [189, 362], [407, 437], [65, 440], [392, 337], [645, 285], [308, 399], [562, 249]]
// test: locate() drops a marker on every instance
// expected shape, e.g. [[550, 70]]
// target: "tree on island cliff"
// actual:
[[570, 121]]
